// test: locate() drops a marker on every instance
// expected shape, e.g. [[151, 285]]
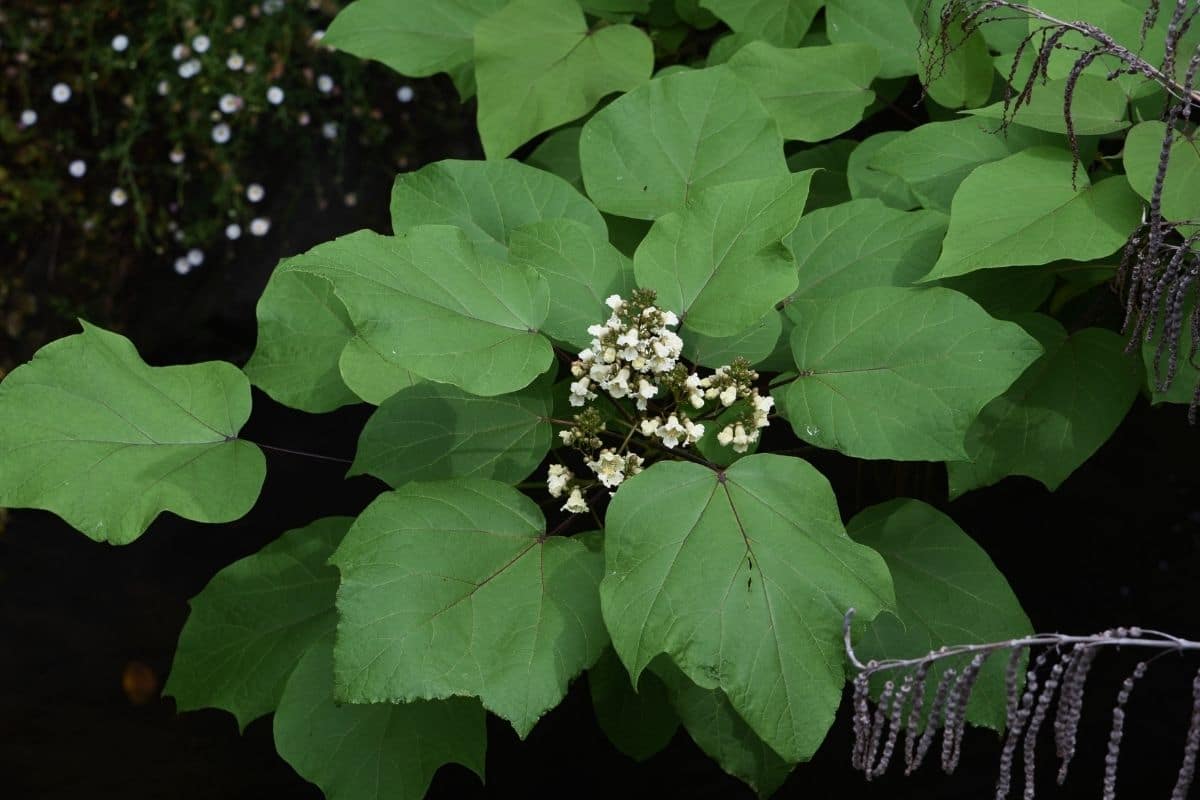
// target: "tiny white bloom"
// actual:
[[233, 231], [650, 426], [575, 503], [235, 61], [259, 226], [728, 395], [29, 117], [182, 266], [61, 93], [200, 43], [672, 433], [179, 52], [304, 118], [557, 479], [77, 168], [220, 133], [189, 68], [725, 436], [329, 130], [317, 35], [163, 88], [609, 468], [176, 155], [274, 95], [614, 302], [405, 94], [229, 103], [647, 389], [195, 257], [255, 192], [118, 197], [120, 42], [324, 84]]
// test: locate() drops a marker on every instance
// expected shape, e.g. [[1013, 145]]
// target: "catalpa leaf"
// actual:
[[638, 723], [1053, 221], [1056, 415], [429, 301], [94, 434], [964, 73], [886, 25], [386, 751], [1097, 106], [581, 269], [414, 37], [488, 200], [741, 576], [780, 22], [369, 375], [646, 153], [814, 93], [253, 620], [720, 262], [302, 329], [537, 66], [753, 344], [899, 373], [559, 153], [452, 588], [866, 182], [1181, 189], [717, 729], [434, 430], [948, 592]]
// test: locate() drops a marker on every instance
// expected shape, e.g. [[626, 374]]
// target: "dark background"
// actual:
[[86, 629]]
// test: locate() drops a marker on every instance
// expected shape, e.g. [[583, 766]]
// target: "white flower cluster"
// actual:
[[609, 466]]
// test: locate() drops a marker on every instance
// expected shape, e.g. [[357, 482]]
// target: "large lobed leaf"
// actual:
[[741, 577], [94, 434], [780, 22]]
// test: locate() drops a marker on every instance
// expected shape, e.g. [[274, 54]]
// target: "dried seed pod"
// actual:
[[889, 745], [877, 725], [1118, 731], [914, 715], [862, 719], [1004, 781], [1070, 707], [1035, 724], [934, 722], [956, 712], [1190, 748]]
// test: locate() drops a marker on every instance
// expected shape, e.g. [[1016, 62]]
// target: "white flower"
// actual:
[[557, 479], [609, 468], [220, 133], [274, 95], [235, 61], [179, 52], [633, 464], [259, 226], [405, 94], [728, 395], [330, 130], [61, 93], [120, 42], [350, 200], [176, 155], [575, 503], [182, 266], [324, 84], [762, 408], [195, 257], [303, 118], [77, 168], [28, 118], [163, 88], [229, 103], [233, 231], [672, 433], [695, 431], [725, 436], [200, 43], [741, 441], [647, 389], [255, 192], [649, 426], [118, 197], [317, 36], [189, 68], [614, 302]]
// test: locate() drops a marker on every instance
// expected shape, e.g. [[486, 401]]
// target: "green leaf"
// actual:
[[559, 153], [1004, 292], [413, 37], [947, 592], [865, 182], [965, 78], [431, 302], [302, 329], [717, 729], [1056, 415], [1052, 221], [371, 376], [93, 434], [753, 344], [488, 200], [721, 262], [1097, 107], [538, 66], [933, 159], [1181, 190], [1183, 387], [433, 431], [741, 577], [780, 22], [814, 93], [829, 186], [861, 244], [646, 153], [886, 25], [638, 723], [253, 620], [452, 588], [371, 752], [581, 269], [899, 373]]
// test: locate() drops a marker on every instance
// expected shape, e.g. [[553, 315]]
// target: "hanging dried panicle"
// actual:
[[862, 719], [1024, 710], [877, 725], [1192, 745], [889, 745], [1070, 706], [1035, 723], [914, 715], [956, 713], [1118, 731], [936, 712]]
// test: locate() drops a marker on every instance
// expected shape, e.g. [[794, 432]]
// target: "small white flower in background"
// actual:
[[195, 257], [330, 130], [189, 68], [350, 200], [272, 6], [304, 118], [324, 84], [118, 197], [182, 266], [233, 231], [609, 468], [575, 503], [259, 226], [557, 479], [220, 133], [176, 155], [274, 95], [255, 192], [229, 103], [77, 168], [200, 43], [235, 61], [61, 93], [120, 43], [163, 88], [405, 94], [179, 52], [28, 118]]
